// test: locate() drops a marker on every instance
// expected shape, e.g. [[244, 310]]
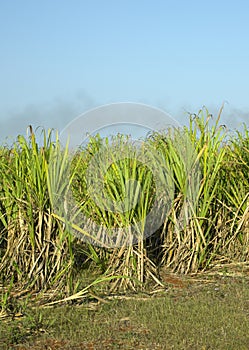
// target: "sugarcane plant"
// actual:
[[177, 199]]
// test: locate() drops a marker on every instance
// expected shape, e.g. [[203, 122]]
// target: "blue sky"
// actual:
[[60, 58]]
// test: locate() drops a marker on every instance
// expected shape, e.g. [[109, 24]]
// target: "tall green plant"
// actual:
[[196, 155], [236, 195], [115, 185], [36, 252]]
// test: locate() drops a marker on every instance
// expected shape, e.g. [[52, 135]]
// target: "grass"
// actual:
[[204, 311], [178, 200]]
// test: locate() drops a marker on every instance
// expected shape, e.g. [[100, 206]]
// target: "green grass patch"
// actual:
[[209, 312]]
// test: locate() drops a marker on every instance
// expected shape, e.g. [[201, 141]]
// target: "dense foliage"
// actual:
[[55, 221]]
